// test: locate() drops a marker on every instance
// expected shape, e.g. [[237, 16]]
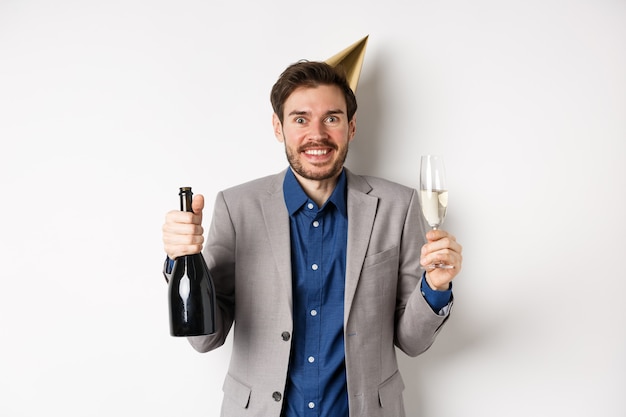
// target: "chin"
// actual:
[[320, 175]]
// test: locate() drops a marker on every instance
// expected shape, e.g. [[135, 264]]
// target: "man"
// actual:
[[318, 268]]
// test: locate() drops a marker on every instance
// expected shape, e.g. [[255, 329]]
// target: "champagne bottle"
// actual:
[[191, 291]]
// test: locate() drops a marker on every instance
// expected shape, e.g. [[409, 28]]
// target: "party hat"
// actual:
[[351, 60]]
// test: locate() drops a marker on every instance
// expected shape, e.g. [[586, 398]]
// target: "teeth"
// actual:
[[316, 152]]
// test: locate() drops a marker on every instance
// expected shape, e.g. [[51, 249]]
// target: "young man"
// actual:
[[318, 268]]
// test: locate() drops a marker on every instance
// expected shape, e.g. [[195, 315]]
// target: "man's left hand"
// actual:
[[441, 247]]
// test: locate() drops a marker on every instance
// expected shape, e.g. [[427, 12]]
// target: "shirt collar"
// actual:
[[295, 197]]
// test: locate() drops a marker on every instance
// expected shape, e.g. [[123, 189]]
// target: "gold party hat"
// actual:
[[351, 60]]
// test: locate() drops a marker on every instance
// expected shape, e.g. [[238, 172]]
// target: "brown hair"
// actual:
[[310, 74]]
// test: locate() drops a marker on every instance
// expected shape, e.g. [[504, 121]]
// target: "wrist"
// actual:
[[444, 287]]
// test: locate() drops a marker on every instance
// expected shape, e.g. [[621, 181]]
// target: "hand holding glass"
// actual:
[[433, 195]]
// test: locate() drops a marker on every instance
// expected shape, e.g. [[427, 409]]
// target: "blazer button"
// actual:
[[277, 396], [286, 336]]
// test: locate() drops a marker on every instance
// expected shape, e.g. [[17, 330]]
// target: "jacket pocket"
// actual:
[[377, 280], [390, 395], [380, 257], [236, 391]]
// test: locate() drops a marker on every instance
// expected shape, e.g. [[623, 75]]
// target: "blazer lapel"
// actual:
[[276, 220], [361, 214]]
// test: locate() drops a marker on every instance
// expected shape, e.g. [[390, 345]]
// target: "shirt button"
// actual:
[[314, 313], [311, 404], [311, 359], [316, 223], [286, 336], [310, 206], [314, 267], [277, 396]]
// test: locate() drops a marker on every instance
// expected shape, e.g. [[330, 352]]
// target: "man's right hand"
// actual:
[[182, 231]]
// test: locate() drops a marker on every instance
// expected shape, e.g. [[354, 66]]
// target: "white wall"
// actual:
[[106, 108]]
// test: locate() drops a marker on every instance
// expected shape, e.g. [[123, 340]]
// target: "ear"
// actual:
[[278, 128], [352, 128]]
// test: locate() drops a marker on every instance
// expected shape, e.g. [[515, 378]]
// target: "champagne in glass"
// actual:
[[433, 194]]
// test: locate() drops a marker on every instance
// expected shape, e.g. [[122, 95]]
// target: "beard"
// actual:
[[316, 174]]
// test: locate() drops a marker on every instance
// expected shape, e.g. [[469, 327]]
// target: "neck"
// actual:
[[318, 190]]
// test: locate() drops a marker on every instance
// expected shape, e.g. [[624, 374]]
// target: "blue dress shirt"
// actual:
[[316, 384]]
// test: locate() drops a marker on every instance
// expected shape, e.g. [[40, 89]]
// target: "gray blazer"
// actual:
[[248, 253]]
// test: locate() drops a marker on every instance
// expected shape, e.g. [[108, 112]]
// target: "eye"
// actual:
[[331, 119], [299, 120]]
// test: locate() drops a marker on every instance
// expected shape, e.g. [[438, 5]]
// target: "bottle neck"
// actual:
[[186, 197]]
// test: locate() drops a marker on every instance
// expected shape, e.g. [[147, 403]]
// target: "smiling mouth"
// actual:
[[316, 152]]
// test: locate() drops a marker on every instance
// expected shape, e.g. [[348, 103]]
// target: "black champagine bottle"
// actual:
[[191, 291]]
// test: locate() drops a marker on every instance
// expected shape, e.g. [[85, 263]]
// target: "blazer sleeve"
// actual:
[[417, 325], [219, 253]]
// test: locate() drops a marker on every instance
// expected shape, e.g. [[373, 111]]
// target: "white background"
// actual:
[[106, 108]]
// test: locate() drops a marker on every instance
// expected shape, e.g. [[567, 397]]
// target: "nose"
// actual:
[[317, 130]]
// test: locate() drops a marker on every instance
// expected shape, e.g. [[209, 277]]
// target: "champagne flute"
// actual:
[[433, 195]]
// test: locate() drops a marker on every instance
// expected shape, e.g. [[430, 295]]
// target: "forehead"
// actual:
[[315, 99]]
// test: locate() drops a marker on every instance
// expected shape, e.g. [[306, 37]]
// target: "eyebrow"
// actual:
[[304, 112]]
